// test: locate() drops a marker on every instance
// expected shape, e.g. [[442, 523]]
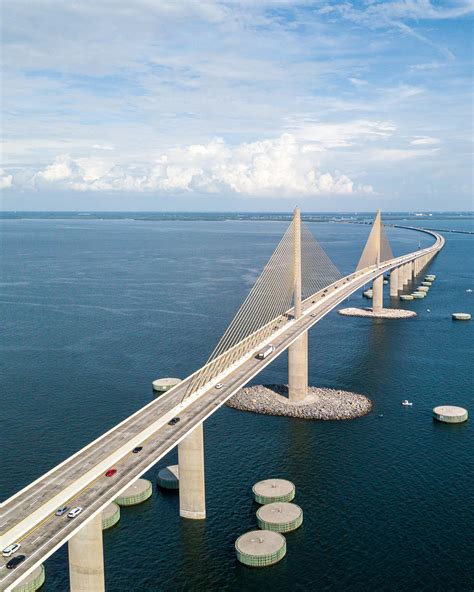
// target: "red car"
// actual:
[[110, 472]]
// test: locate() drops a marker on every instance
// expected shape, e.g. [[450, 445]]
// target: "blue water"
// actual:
[[94, 310]]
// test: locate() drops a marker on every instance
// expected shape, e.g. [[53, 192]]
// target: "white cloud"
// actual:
[[5, 180], [399, 154], [279, 167], [425, 141], [103, 147]]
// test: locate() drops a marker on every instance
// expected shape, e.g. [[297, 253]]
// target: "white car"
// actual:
[[219, 385], [10, 549], [74, 512]]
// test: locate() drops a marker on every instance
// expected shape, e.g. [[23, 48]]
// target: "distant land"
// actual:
[[222, 216]]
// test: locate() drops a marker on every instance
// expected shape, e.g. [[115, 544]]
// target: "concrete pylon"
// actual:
[[377, 295], [394, 282], [192, 492], [86, 558], [298, 350]]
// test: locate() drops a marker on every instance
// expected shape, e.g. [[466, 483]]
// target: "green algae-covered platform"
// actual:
[[280, 517], [260, 548], [273, 490], [137, 493], [450, 414], [110, 515], [32, 582]]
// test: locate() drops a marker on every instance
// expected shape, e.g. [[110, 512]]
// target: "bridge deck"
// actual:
[[28, 517]]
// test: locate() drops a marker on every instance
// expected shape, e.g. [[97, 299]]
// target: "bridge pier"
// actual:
[[86, 558], [298, 369], [406, 272], [192, 493], [377, 294], [401, 278], [394, 282]]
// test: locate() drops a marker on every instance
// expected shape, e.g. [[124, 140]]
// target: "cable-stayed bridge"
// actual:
[[297, 288]]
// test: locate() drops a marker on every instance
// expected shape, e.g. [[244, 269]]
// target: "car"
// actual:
[[137, 449], [10, 549], [61, 511], [74, 512], [313, 314], [174, 421], [110, 472], [219, 385], [15, 562]]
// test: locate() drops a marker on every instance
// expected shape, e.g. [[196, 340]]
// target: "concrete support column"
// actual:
[[415, 267], [192, 493], [298, 368], [406, 271], [377, 297], [401, 278], [86, 558], [394, 282]]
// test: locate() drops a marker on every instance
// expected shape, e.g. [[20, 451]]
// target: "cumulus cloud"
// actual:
[[279, 167], [5, 180]]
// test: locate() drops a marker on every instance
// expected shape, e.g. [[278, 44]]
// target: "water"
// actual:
[[94, 310]]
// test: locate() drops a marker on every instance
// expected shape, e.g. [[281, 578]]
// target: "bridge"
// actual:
[[297, 288]]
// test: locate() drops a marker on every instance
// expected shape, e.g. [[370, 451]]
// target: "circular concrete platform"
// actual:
[[273, 490], [161, 385], [110, 515], [430, 277], [450, 414], [461, 316], [428, 284], [423, 289], [168, 477], [418, 295], [259, 548], [280, 517], [407, 297], [137, 493], [32, 582], [368, 294]]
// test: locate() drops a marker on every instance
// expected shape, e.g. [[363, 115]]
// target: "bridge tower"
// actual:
[[377, 250], [298, 350]]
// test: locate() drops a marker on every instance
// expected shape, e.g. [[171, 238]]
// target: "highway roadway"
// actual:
[[28, 516]]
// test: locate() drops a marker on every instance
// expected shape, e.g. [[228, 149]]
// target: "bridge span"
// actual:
[[28, 517]]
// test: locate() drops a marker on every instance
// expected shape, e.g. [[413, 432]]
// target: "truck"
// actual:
[[265, 352]]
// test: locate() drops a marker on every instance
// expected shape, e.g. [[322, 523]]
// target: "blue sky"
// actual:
[[227, 105]]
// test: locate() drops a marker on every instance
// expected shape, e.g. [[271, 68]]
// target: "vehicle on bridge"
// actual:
[[137, 449], [75, 512], [10, 549], [174, 420], [61, 511], [15, 562], [110, 472], [264, 353]]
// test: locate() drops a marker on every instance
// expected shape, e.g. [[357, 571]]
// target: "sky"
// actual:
[[248, 105]]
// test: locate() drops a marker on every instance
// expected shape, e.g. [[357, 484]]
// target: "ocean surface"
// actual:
[[96, 307]]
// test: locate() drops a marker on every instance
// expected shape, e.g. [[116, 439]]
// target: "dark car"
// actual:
[[174, 420], [110, 472], [61, 511], [15, 562], [137, 449]]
